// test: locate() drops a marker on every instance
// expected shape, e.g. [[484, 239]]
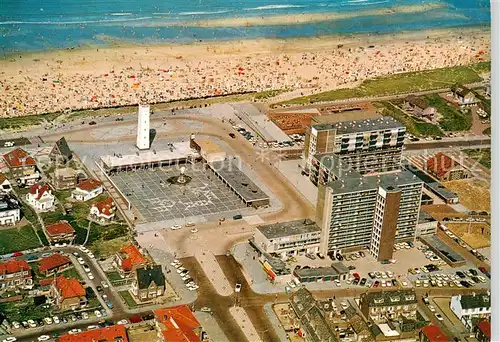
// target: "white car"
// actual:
[[44, 338], [47, 320], [237, 288], [91, 276], [180, 269], [337, 283], [85, 315], [91, 255], [92, 327], [81, 261], [104, 284], [31, 323], [404, 284], [439, 317], [16, 325], [76, 254], [83, 249], [60, 244], [98, 314], [10, 339], [431, 308], [56, 320], [74, 331], [185, 277], [175, 227], [122, 322]]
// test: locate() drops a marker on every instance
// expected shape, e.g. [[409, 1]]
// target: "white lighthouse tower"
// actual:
[[143, 127]]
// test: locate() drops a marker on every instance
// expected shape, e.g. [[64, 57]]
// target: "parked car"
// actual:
[[438, 316], [321, 256], [237, 288], [237, 217], [311, 256], [175, 227]]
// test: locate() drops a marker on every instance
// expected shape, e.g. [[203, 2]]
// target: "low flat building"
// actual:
[[10, 211], [54, 263], [40, 197], [427, 225], [87, 189], [482, 331], [149, 283], [208, 149], [14, 275], [60, 231], [65, 178], [471, 307], [443, 251], [68, 294], [178, 324], [114, 333], [289, 238], [311, 275], [381, 306]]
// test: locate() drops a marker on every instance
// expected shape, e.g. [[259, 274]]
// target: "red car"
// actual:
[[482, 269], [376, 283], [17, 254], [356, 276]]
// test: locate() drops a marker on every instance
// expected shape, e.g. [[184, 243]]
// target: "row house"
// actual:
[[54, 263], [15, 274], [389, 305]]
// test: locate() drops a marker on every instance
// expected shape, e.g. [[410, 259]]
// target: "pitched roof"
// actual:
[[61, 227], [45, 282], [460, 90], [18, 158], [440, 164], [13, 266], [61, 147], [132, 258], [177, 324], [434, 334], [475, 301], [105, 206], [40, 188], [485, 328], [149, 274], [395, 298], [419, 102], [3, 178], [108, 334], [88, 184], [53, 261], [69, 287]]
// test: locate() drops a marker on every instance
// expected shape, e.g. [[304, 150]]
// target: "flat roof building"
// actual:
[[381, 306], [288, 238]]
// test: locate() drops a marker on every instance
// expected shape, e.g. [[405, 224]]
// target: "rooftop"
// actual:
[[316, 272], [390, 298], [178, 324], [344, 116], [18, 158], [440, 164], [53, 261], [8, 203], [114, 333], [61, 148], [485, 328], [133, 257], [39, 190], [238, 180], [105, 206], [149, 274], [178, 151], [13, 266], [434, 334], [65, 172], [61, 227], [88, 184], [475, 301], [443, 248], [424, 217], [283, 229], [69, 287], [355, 126]]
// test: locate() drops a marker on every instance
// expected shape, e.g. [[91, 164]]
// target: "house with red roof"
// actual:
[[5, 186], [40, 197], [20, 164], [432, 333], [68, 294], [103, 211], [87, 189], [177, 324], [60, 231], [114, 333], [129, 259], [482, 331], [15, 274], [445, 168], [54, 263]]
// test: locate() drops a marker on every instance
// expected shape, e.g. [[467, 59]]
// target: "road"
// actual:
[[457, 142]]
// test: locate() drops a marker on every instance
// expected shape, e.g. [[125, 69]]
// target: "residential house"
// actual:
[[178, 324], [54, 263], [114, 333], [22, 167], [15, 274], [432, 333], [10, 212], [420, 107], [382, 306], [65, 178], [129, 259], [358, 325], [445, 168], [87, 189], [68, 294], [149, 283], [471, 307], [61, 152], [5, 186], [60, 231], [482, 331], [314, 326], [40, 197], [103, 211], [464, 96]]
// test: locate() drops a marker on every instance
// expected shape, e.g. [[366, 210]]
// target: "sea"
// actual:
[[38, 25]]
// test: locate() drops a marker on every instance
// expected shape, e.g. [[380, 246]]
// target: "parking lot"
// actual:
[[158, 200]]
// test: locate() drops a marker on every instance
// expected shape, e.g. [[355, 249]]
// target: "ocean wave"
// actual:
[[202, 13], [268, 7], [357, 1], [82, 22], [364, 3], [120, 14], [162, 13]]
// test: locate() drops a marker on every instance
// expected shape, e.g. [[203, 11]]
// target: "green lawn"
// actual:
[[400, 83], [483, 156], [24, 310], [452, 119], [14, 240], [113, 276], [413, 126], [127, 297], [26, 121], [107, 248]]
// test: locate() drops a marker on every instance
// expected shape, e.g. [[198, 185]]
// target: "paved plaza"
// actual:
[[158, 200]]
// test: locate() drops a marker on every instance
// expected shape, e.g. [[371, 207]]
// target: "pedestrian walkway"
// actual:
[[268, 308], [214, 272], [243, 321], [211, 326]]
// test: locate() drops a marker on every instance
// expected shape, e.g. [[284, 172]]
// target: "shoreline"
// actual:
[[304, 42]]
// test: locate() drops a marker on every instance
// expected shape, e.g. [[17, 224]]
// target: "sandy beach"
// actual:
[[123, 75]]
